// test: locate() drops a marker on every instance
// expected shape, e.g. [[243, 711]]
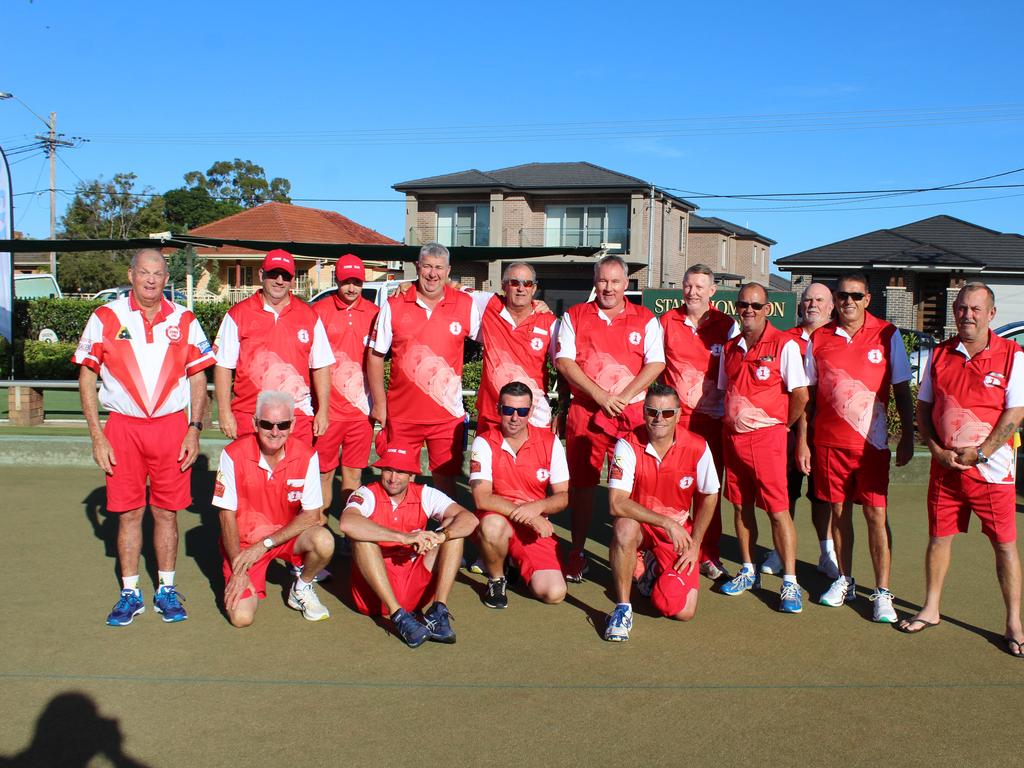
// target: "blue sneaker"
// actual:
[[741, 582], [129, 605], [791, 598], [167, 602], [409, 628], [619, 624], [438, 620]]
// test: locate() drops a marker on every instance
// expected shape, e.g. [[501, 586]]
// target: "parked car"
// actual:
[[109, 294], [919, 357], [375, 291], [42, 286]]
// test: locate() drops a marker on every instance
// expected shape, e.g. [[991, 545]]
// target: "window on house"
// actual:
[[682, 234], [723, 253], [240, 276], [464, 224], [586, 225]]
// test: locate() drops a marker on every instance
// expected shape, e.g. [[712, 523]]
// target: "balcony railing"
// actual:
[[450, 235], [574, 238], [302, 287]]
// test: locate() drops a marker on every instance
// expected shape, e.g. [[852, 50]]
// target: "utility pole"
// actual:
[[52, 142]]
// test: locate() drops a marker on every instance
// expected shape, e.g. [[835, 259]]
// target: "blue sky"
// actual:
[[345, 100]]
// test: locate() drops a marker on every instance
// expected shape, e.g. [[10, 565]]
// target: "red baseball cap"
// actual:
[[403, 458], [349, 266], [670, 593], [279, 259]]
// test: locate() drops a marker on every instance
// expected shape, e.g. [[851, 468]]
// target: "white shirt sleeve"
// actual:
[[382, 334], [320, 353], [480, 301], [434, 503], [566, 339], [924, 392], [654, 342], [810, 367], [475, 316], [480, 461], [553, 341], [625, 460], [559, 465], [197, 339], [707, 474], [898, 356], [363, 501], [225, 494], [227, 343], [312, 492], [1015, 385], [91, 337], [735, 330], [791, 366]]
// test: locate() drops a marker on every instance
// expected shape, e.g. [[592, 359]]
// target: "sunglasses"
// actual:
[[757, 306], [508, 410], [277, 273], [666, 413], [282, 426], [844, 295], [520, 283]]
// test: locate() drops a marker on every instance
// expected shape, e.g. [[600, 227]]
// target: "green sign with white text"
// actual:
[[781, 304]]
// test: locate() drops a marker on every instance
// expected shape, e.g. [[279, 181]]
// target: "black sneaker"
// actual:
[[495, 596], [438, 621]]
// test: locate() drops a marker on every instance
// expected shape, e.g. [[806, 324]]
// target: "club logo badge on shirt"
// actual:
[[994, 379], [355, 500], [762, 373], [124, 334], [634, 338], [455, 328], [685, 482], [543, 474], [294, 496], [303, 335], [173, 333], [536, 344], [615, 470], [875, 355], [716, 350]]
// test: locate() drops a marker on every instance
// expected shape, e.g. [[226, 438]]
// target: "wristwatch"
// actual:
[[268, 543], [197, 424], [982, 458]]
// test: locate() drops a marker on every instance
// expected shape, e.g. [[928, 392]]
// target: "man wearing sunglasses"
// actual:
[[662, 492], [406, 547], [268, 491], [695, 335], [272, 340], [765, 387], [149, 356], [610, 351], [852, 363], [519, 478]]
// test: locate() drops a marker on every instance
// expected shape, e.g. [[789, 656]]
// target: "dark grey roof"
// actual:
[[941, 241], [779, 283], [536, 176], [715, 224]]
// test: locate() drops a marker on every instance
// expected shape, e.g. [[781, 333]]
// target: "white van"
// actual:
[[375, 291], [42, 286]]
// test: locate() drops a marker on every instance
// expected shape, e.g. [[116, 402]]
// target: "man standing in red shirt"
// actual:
[[969, 406], [765, 388], [425, 329], [851, 364], [398, 564], [512, 470], [609, 350], [348, 319], [695, 335], [653, 484], [272, 341], [150, 355], [268, 491]]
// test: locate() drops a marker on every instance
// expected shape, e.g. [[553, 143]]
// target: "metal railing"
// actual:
[[574, 238]]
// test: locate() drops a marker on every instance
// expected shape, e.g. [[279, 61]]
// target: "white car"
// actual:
[[375, 291], [920, 356]]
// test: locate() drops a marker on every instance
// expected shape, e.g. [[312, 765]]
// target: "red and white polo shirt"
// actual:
[[420, 504], [693, 355], [523, 475], [348, 330]]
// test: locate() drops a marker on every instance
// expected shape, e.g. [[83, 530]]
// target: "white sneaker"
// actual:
[[713, 569], [884, 612], [843, 590], [772, 563], [305, 599], [828, 565]]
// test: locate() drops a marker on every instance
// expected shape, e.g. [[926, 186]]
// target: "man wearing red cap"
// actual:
[[653, 484], [398, 565], [268, 491], [425, 329], [272, 341], [348, 319]]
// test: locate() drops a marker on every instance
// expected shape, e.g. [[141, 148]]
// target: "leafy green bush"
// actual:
[[67, 317], [5, 358], [209, 315], [49, 361], [471, 380]]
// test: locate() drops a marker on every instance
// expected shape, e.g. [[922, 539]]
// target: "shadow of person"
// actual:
[[70, 732], [202, 542]]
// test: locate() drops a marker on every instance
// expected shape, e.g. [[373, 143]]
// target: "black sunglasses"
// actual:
[[757, 306], [282, 426], [508, 410], [277, 273], [844, 295], [666, 413], [520, 283]]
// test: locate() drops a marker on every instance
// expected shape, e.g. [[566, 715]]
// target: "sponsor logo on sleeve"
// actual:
[[474, 466], [205, 347], [218, 487], [83, 347], [356, 499], [615, 470]]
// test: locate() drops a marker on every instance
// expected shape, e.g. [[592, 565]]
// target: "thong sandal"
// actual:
[[904, 626], [1011, 644]]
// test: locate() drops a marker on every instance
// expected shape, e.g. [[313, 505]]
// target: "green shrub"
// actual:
[[209, 315], [471, 380], [67, 317], [49, 361], [5, 358]]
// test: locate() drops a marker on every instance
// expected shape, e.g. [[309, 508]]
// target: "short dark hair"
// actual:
[[515, 389], [854, 277], [657, 389]]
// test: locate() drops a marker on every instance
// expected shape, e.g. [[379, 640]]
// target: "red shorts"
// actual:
[[587, 448], [671, 589], [302, 425], [755, 469], [531, 551], [844, 474], [410, 580], [444, 442], [258, 571], [147, 448], [952, 494], [349, 438]]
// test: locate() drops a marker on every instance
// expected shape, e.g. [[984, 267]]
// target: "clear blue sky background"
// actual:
[[288, 85]]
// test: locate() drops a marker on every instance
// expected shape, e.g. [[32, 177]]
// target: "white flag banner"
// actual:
[[6, 259]]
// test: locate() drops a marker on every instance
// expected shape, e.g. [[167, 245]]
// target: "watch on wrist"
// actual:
[[268, 543], [982, 458], [197, 424]]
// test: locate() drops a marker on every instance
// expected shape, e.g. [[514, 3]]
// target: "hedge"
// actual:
[[42, 360]]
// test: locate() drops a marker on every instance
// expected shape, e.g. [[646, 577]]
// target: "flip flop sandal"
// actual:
[[1011, 644], [904, 626]]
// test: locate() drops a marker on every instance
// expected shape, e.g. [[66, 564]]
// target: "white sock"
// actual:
[[300, 584], [130, 582], [791, 578], [827, 547], [748, 567], [165, 578]]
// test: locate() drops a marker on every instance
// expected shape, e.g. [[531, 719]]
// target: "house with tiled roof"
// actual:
[[915, 271], [237, 269], [730, 249]]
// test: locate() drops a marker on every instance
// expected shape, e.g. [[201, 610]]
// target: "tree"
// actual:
[[190, 207], [91, 271], [241, 182]]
